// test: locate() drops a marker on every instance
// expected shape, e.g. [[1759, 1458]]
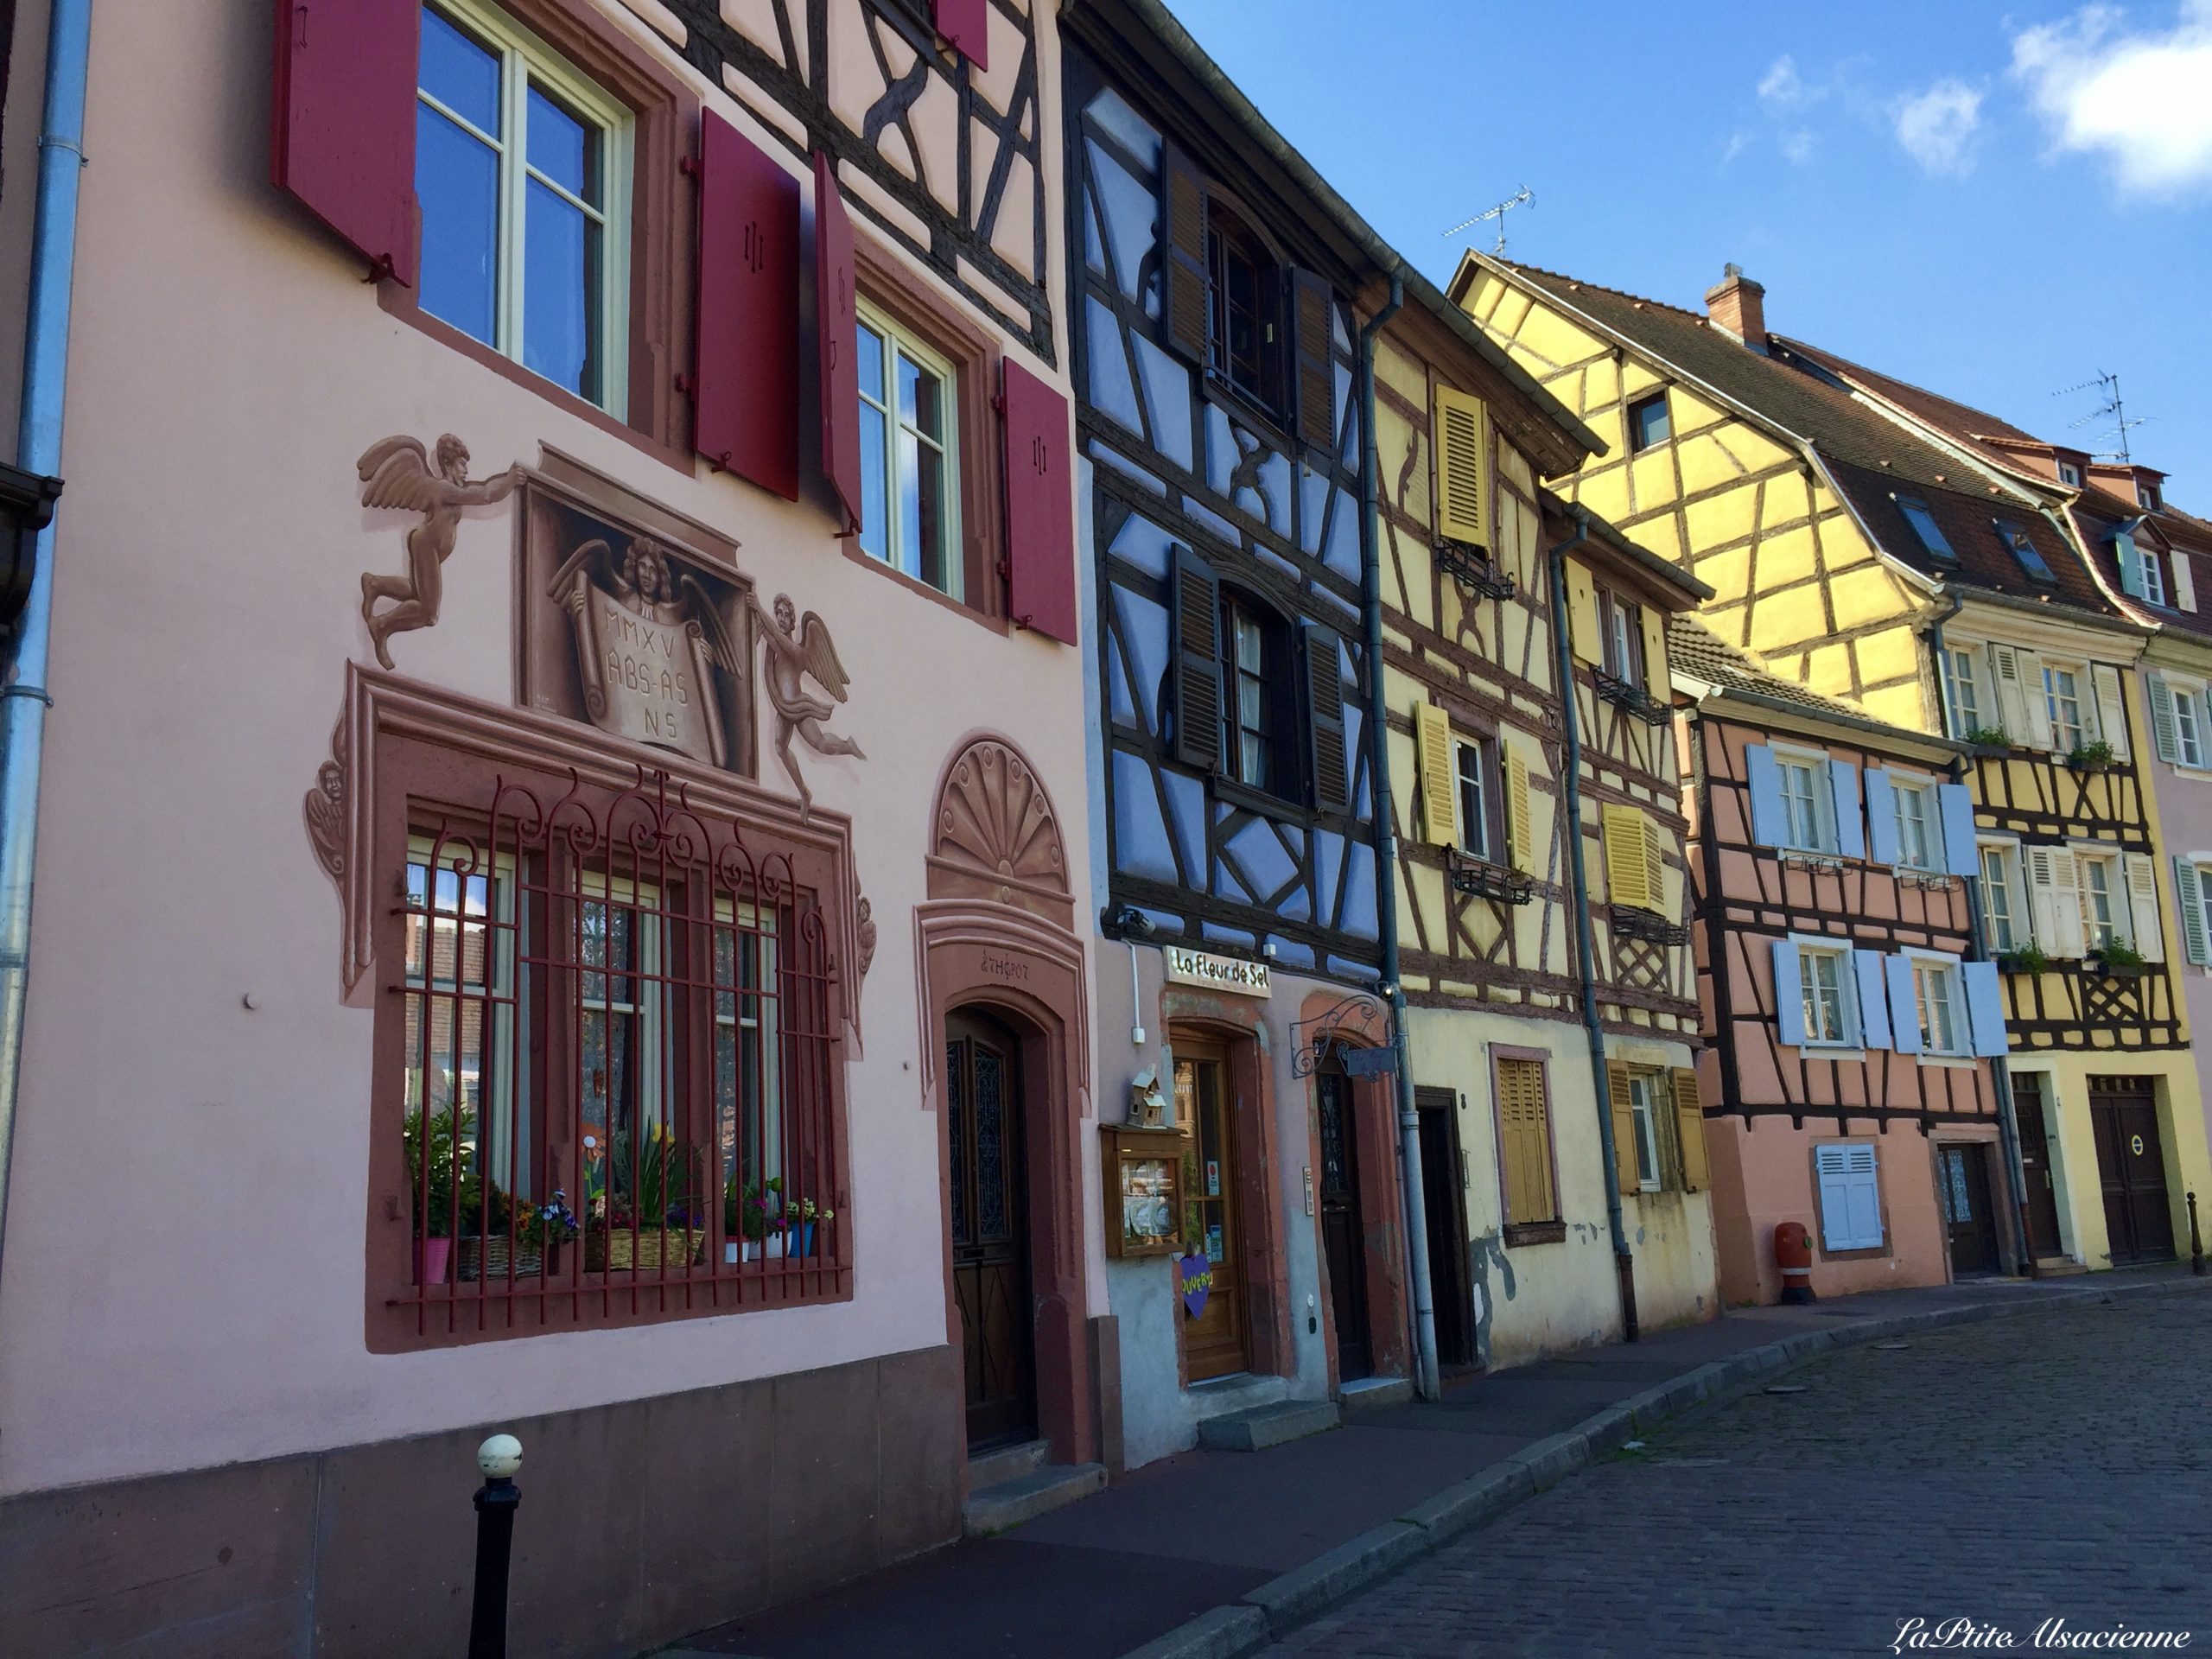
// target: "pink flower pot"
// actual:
[[433, 1260]]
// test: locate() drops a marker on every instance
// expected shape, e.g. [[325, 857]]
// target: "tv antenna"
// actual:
[[2107, 386], [1523, 197]]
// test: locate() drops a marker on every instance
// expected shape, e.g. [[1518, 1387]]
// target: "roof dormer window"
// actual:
[[1925, 527], [2146, 497], [2070, 474], [2025, 551]]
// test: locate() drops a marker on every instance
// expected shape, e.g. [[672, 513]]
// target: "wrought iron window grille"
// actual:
[[1634, 698], [1934, 880], [1481, 879], [1810, 860], [1470, 567], [1632, 921]]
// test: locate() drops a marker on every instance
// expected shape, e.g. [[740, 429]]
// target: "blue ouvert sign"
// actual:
[[1195, 1273]]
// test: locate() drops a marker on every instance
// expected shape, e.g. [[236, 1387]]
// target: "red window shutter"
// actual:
[[966, 25], [837, 314], [745, 377], [342, 121], [1039, 506]]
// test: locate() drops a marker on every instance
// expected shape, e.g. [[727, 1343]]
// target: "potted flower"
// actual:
[[2026, 959], [547, 1227], [2117, 961], [2091, 757], [1989, 737], [444, 1194], [799, 1217], [650, 1214], [747, 1212]]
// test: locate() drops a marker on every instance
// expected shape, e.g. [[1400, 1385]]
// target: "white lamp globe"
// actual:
[[500, 1457]]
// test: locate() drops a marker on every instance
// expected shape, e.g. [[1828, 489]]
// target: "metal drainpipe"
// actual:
[[1570, 795], [1386, 858], [2000, 1070], [23, 700]]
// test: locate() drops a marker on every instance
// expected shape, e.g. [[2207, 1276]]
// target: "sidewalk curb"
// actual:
[[1283, 1603]]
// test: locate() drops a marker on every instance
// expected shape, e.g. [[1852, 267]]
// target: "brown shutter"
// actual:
[[342, 121], [1313, 358], [1623, 1128], [745, 370], [836, 320], [1183, 264], [1039, 506], [965, 25], [1198, 663], [1325, 725], [1689, 1131]]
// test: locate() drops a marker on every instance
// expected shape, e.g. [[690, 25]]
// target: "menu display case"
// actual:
[[1143, 1170]]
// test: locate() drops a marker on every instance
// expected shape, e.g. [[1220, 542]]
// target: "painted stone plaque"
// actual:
[[646, 640]]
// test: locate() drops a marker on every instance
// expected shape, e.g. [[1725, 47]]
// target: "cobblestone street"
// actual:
[[2052, 1466]]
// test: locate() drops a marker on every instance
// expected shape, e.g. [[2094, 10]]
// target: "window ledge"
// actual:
[[1234, 399], [1823, 1052], [1949, 1062], [1535, 1232], [1228, 789]]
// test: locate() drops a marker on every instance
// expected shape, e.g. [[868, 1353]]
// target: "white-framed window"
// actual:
[[2146, 497], [1919, 838], [2189, 726], [1828, 990], [2000, 862], [1808, 801], [462, 936], [910, 461], [2062, 693], [1962, 663], [748, 1052], [620, 1003], [2154, 576], [1472, 779], [522, 169], [2070, 474], [1643, 1109], [1940, 996], [2104, 900]]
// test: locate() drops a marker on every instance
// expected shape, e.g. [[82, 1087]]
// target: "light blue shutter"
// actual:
[[2131, 564], [1873, 999], [1850, 1197], [1770, 823], [1789, 994], [1985, 1008], [1849, 831], [1881, 816], [1904, 1010], [1955, 807]]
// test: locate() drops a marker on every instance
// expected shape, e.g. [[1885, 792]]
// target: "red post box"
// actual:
[[1793, 1254]]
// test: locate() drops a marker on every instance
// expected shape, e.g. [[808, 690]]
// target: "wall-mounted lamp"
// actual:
[[1129, 923]]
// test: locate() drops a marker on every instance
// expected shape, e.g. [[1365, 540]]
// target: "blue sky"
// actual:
[[1996, 201]]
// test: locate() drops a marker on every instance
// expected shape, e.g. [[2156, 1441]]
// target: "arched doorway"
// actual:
[[988, 1215]]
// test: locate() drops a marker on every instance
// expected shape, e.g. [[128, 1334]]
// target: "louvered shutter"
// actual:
[[1984, 1007], [1655, 682], [1850, 825], [1325, 725], [2112, 709], [2164, 736], [2038, 700], [1520, 818], [965, 25], [1312, 308], [2131, 564], [1770, 818], [837, 322], [1870, 987], [1904, 1006], [1439, 794], [2055, 901], [1183, 264], [1623, 1111], [1881, 816], [2189, 889], [1654, 863], [1789, 994], [1689, 1131], [2185, 580], [1039, 506], [2018, 706], [2149, 938], [1198, 663], [1850, 1199], [1955, 811], [744, 367], [1525, 1128], [1627, 879], [1461, 440], [342, 121], [1585, 635]]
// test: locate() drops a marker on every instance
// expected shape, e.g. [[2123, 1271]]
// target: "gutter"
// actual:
[[1418, 1282], [23, 700], [1570, 794]]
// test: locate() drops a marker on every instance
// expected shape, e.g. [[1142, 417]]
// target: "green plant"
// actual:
[[2027, 959], [2090, 757], [452, 1175], [2116, 955], [748, 1208], [1989, 737], [650, 1179]]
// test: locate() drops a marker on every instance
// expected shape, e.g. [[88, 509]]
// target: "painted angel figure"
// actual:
[[396, 473], [797, 649]]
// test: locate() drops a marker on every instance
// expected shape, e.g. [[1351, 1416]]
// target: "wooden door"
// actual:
[[2132, 1166], [1216, 1343], [990, 1229], [1343, 1237], [2035, 1165], [1962, 1172], [1443, 1183]]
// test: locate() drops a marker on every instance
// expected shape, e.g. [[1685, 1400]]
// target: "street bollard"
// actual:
[[499, 1458], [2195, 1240]]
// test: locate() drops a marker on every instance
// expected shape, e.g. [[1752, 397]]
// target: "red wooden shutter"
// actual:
[[745, 377], [1190, 294], [1039, 506], [1313, 358], [342, 121], [966, 25], [836, 317]]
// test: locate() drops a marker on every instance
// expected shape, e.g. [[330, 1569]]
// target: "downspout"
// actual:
[[1585, 968], [2000, 1069], [23, 700], [1386, 860]]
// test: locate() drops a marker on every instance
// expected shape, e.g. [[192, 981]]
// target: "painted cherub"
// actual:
[[396, 473], [796, 650]]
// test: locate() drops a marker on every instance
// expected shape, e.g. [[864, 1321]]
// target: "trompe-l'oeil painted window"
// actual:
[[910, 512], [520, 168]]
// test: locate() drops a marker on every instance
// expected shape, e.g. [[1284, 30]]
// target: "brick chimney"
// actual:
[[1737, 307]]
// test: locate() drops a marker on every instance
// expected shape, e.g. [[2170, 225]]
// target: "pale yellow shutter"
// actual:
[[1462, 443], [1525, 1150], [1624, 1126], [1654, 655], [1655, 866], [1689, 1131], [1627, 872], [1583, 632], [1440, 798], [1519, 819]]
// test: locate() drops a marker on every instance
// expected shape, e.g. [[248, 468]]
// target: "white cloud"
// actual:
[[2142, 100], [1797, 147], [1937, 127], [1784, 88]]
